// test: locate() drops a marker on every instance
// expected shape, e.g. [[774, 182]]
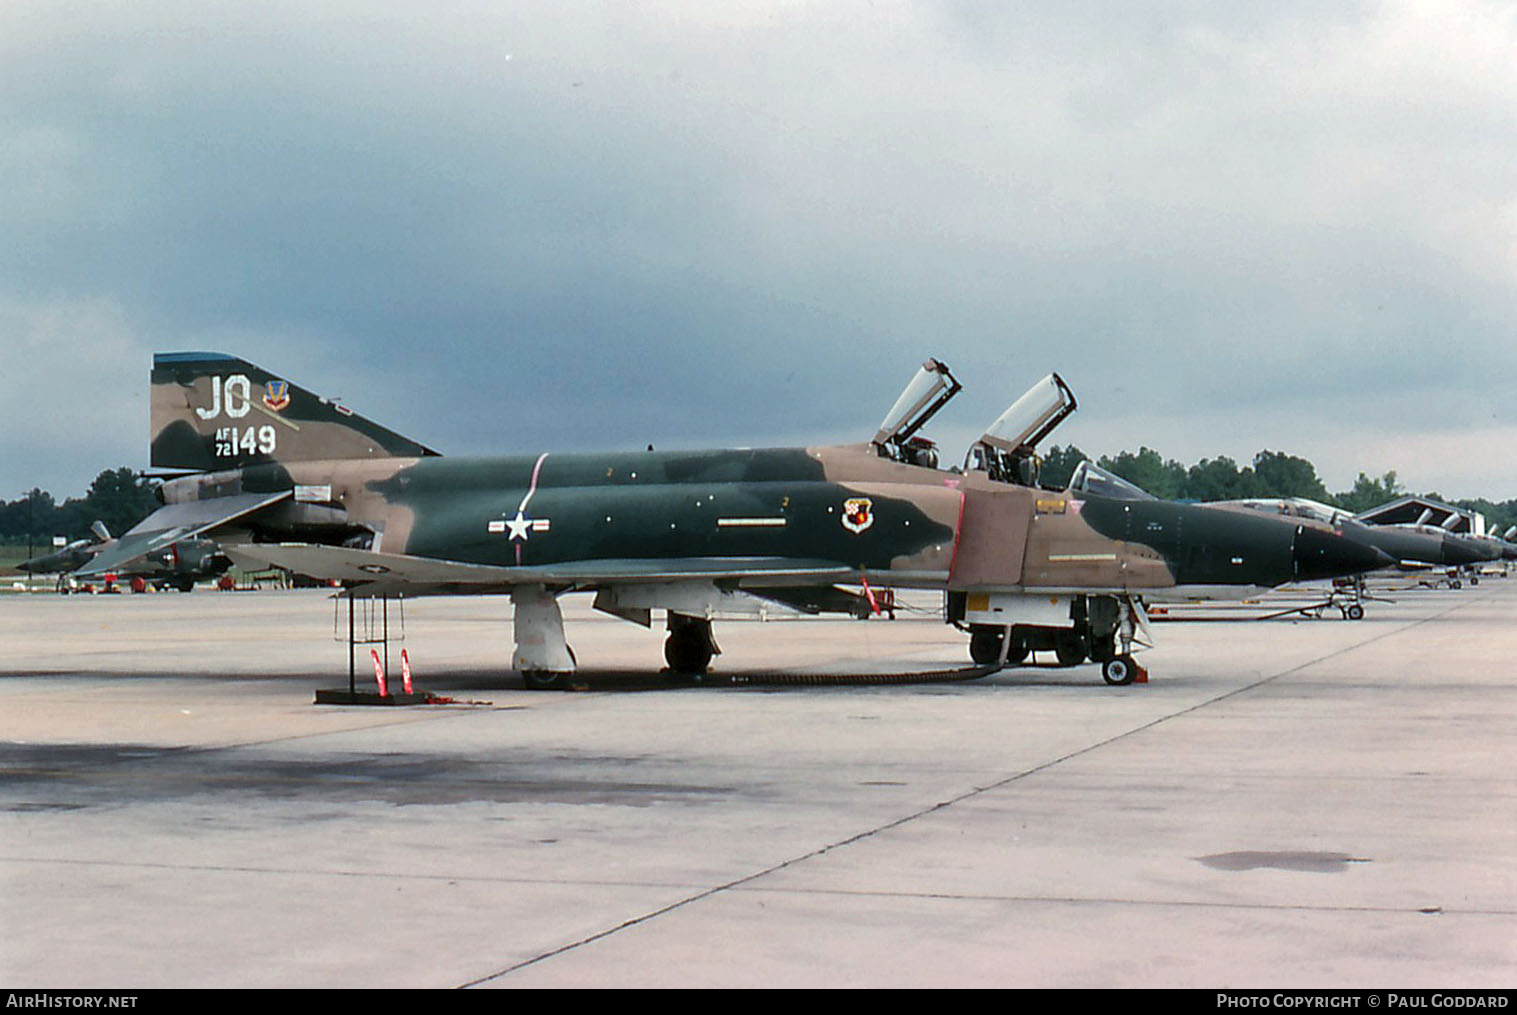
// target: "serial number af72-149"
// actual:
[[322, 491], [233, 441]]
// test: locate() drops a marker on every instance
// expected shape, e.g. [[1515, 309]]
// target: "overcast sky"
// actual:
[[514, 227]]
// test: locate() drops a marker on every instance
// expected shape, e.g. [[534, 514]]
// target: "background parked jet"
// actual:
[[71, 556], [177, 564], [1409, 545], [290, 479], [1464, 531]]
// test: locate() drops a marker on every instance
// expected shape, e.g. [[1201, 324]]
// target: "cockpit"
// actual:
[[1006, 452], [897, 437], [1294, 507], [1089, 478]]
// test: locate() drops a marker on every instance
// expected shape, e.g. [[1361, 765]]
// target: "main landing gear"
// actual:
[[547, 663], [542, 655], [690, 645]]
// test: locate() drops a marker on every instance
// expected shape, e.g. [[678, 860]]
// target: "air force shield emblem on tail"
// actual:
[[276, 395], [858, 514]]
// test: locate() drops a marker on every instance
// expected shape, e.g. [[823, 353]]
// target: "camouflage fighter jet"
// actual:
[[177, 564], [1412, 547], [70, 557], [287, 478], [1462, 531]]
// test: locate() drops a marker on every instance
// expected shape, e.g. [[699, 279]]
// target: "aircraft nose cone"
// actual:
[[1319, 553], [1460, 552]]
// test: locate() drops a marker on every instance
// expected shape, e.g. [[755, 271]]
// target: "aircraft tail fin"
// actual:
[[212, 412]]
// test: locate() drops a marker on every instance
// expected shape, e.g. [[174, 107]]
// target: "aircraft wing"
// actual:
[[174, 522], [390, 573]]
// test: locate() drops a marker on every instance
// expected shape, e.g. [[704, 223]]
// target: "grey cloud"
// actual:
[[581, 224]]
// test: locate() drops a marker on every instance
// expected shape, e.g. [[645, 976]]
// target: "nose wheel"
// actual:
[[1122, 670]]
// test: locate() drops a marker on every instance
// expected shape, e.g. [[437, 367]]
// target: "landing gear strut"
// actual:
[[1121, 669], [542, 655]]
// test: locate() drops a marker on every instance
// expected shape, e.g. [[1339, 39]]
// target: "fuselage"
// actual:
[[846, 506]]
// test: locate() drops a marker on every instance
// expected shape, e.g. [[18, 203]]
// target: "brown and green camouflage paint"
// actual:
[[356, 483]]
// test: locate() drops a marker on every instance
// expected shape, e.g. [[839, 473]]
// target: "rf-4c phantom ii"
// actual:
[[287, 478]]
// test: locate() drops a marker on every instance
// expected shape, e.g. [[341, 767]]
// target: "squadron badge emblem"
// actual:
[[276, 395], [858, 514]]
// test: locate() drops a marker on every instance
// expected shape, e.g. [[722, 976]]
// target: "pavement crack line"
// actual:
[[1074, 900], [945, 804]]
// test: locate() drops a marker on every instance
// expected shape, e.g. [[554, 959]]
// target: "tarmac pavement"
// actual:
[[1288, 803]]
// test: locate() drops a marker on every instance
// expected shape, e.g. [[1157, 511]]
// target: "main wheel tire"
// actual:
[[1119, 670], [1069, 649], [1354, 612], [544, 680], [688, 651], [985, 647]]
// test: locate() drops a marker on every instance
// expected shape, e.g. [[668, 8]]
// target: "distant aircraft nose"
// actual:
[[1461, 551], [1319, 553]]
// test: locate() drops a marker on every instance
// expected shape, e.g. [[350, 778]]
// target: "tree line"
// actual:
[[118, 497]]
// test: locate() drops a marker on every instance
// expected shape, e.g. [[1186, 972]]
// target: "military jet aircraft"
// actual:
[[72, 556], [178, 564], [1410, 546], [284, 477], [1462, 531]]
